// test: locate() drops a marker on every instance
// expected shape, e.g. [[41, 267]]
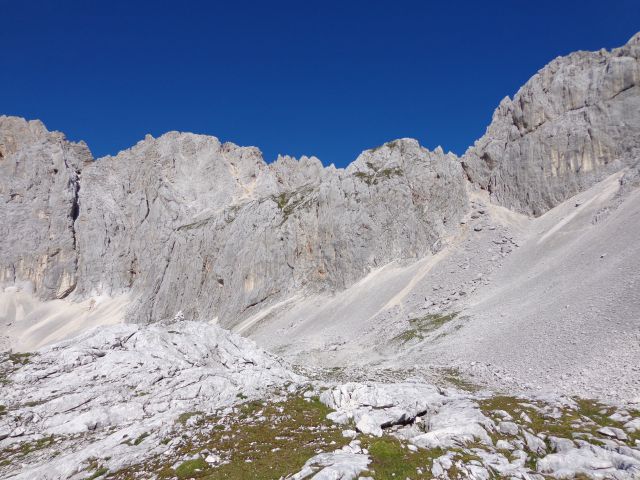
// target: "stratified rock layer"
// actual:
[[573, 123]]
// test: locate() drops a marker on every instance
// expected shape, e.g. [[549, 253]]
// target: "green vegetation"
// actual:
[[392, 144], [372, 178], [137, 441], [11, 362], [141, 438], [421, 326], [183, 417], [231, 213], [28, 447], [453, 377], [389, 460], [98, 473], [19, 358], [288, 202], [18, 452], [588, 417], [252, 441], [192, 468]]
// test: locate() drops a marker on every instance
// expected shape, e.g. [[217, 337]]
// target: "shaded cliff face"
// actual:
[[573, 123], [190, 224], [39, 184]]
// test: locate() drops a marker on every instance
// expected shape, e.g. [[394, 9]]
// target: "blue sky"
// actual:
[[328, 79]]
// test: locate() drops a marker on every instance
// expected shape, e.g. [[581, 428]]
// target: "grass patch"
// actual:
[[141, 438], [137, 441], [18, 452], [20, 358], [588, 417], [288, 202], [98, 473], [419, 327], [453, 377], [390, 460], [183, 417], [261, 440], [28, 447], [192, 468], [10, 363]]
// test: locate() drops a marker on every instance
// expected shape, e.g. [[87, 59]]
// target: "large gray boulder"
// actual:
[[39, 184], [573, 123]]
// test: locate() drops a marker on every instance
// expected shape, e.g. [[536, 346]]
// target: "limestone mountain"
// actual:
[[185, 223]]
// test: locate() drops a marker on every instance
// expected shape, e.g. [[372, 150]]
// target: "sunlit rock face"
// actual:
[[191, 224], [573, 123], [39, 187], [186, 223]]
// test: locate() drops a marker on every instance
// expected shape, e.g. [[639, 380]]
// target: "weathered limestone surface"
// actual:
[[191, 224], [573, 123], [39, 184]]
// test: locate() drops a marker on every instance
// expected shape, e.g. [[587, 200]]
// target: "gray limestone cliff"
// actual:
[[186, 223], [39, 186], [573, 123]]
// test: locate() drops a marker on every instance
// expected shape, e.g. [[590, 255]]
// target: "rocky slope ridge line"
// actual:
[[172, 401], [186, 223]]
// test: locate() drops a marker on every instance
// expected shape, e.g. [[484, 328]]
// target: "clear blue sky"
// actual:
[[318, 78]]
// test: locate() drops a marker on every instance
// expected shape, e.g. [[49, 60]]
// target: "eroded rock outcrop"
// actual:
[[39, 186], [191, 224], [574, 122], [109, 389]]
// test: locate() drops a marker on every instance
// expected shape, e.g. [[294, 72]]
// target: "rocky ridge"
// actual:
[[183, 214], [249, 233], [99, 394]]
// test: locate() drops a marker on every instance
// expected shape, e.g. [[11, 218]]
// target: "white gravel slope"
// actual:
[[563, 313]]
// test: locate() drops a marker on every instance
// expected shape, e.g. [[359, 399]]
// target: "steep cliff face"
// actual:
[[186, 223], [574, 122], [190, 224], [39, 185]]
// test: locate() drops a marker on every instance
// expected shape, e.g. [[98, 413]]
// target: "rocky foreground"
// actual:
[[191, 400]]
